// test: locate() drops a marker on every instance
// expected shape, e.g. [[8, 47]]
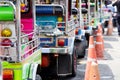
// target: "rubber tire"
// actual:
[[38, 77], [80, 48], [74, 64], [87, 35], [38, 73]]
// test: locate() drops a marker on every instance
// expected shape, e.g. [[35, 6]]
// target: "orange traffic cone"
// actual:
[[91, 49], [99, 33], [94, 72], [110, 27], [91, 57], [103, 43], [87, 71], [99, 47]]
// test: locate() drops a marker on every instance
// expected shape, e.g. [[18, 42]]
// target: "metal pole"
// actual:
[[88, 12], [100, 10], [80, 17], [18, 28], [66, 15]]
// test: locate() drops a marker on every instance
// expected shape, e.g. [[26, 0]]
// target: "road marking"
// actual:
[[107, 77]]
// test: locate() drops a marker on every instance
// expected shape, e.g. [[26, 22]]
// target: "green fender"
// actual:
[[21, 71], [16, 67]]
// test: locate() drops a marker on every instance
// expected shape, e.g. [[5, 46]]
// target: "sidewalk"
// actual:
[[110, 67]]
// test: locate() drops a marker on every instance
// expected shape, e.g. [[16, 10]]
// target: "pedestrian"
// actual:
[[117, 4]]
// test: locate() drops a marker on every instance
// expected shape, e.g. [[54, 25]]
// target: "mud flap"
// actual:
[[80, 47], [29, 71], [25, 71], [64, 65], [33, 71]]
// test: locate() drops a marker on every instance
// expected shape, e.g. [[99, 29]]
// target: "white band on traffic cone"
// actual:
[[91, 59], [98, 42], [91, 46], [99, 34]]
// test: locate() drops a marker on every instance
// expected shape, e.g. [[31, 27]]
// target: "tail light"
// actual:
[[92, 21], [45, 61], [61, 42], [85, 27], [84, 19], [6, 32], [76, 31], [6, 42], [60, 24], [60, 19], [7, 74]]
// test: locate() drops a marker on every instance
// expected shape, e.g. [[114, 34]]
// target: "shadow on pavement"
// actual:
[[80, 73], [110, 38], [105, 72], [107, 56], [107, 45]]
